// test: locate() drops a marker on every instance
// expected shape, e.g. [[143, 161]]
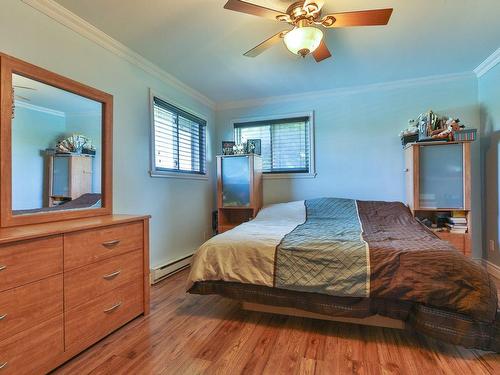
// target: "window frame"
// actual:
[[286, 175], [159, 172]]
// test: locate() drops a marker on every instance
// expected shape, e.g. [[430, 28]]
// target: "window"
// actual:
[[178, 140], [285, 143]]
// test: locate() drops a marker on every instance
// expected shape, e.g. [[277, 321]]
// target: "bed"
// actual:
[[367, 262], [87, 200]]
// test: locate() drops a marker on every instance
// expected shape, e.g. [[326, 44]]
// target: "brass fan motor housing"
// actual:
[[299, 15]]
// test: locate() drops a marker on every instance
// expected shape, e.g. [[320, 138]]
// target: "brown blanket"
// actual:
[[410, 263]]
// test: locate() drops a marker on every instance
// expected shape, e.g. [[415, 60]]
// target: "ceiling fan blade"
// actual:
[[268, 43], [23, 98], [253, 9], [314, 6], [374, 17], [322, 52]]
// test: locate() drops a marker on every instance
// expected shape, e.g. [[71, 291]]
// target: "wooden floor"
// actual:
[[188, 334]]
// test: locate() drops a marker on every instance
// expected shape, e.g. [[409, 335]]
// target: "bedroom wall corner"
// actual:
[[180, 208], [489, 101]]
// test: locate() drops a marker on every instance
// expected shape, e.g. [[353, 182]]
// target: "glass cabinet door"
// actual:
[[60, 181], [236, 181], [441, 176]]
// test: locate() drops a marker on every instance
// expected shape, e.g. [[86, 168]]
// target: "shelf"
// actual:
[[442, 209], [236, 208]]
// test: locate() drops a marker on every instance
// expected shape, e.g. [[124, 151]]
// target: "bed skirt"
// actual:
[[439, 324]]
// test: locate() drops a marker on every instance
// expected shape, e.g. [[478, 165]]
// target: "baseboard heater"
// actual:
[[162, 272]]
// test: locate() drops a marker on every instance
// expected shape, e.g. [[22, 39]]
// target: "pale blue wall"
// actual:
[[358, 151], [181, 209], [489, 99], [32, 133]]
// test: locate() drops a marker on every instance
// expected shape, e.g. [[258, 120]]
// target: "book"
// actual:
[[458, 230], [458, 214], [457, 226]]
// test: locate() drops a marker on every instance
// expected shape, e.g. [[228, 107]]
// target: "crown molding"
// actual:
[[312, 95], [67, 18], [488, 64], [53, 112]]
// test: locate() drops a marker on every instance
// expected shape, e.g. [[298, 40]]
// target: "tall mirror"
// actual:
[[56, 149], [56, 146]]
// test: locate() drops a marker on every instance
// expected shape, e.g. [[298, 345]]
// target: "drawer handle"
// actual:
[[2, 317], [3, 365], [2, 267], [113, 308], [111, 275], [110, 244]]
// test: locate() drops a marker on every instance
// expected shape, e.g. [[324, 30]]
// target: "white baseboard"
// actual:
[[162, 272]]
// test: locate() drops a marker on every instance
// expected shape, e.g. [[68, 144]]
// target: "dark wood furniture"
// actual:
[[440, 185], [67, 278], [239, 189]]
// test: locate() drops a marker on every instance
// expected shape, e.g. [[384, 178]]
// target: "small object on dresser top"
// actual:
[[254, 146], [465, 135], [227, 147]]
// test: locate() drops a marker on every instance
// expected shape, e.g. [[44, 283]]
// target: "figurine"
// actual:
[[410, 130], [452, 125]]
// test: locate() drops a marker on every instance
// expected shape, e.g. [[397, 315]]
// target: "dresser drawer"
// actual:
[[28, 261], [95, 319], [34, 351], [89, 282], [82, 248], [29, 305]]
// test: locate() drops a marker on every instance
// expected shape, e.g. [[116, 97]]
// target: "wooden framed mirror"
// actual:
[[55, 146]]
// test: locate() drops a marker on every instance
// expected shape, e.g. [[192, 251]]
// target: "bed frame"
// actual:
[[375, 320]]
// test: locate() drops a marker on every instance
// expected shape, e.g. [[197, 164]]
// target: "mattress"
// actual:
[[352, 258]]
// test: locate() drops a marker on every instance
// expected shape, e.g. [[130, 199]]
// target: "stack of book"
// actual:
[[457, 224]]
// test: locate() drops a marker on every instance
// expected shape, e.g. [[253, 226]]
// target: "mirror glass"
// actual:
[[56, 149]]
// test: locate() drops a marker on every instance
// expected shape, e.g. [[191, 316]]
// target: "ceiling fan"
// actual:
[[306, 17], [17, 96]]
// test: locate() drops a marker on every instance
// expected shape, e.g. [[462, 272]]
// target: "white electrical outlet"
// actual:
[[492, 246]]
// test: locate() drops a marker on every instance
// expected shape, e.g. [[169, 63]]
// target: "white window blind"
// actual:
[[179, 139], [285, 143]]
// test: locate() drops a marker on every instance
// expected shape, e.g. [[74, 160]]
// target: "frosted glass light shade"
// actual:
[[303, 40]]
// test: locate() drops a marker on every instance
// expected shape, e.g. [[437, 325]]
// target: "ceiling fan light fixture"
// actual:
[[303, 40]]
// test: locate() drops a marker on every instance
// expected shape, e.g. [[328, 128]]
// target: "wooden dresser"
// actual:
[[66, 285], [239, 189]]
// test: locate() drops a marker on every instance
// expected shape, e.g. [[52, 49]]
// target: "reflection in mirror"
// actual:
[[56, 149]]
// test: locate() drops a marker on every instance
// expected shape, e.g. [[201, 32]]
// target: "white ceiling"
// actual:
[[34, 93], [202, 44]]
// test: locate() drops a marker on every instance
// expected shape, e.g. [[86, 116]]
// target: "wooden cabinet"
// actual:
[[69, 176], [63, 287], [438, 183], [239, 189], [68, 276], [37, 350], [93, 320]]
